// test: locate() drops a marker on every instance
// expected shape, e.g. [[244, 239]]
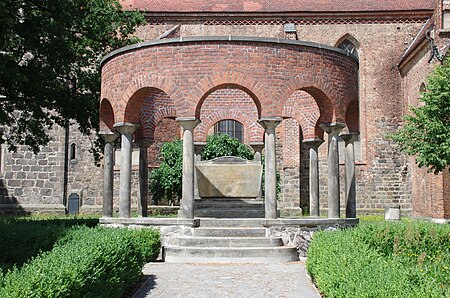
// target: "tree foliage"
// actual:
[[49, 63], [165, 181], [224, 145], [426, 132]]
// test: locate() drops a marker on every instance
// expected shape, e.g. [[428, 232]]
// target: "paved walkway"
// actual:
[[227, 280]]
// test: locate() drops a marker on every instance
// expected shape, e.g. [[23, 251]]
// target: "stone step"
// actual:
[[230, 241], [228, 203], [281, 254], [230, 222], [229, 213], [229, 232]]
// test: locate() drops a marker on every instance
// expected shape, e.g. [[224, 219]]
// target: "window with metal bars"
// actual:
[[230, 127]]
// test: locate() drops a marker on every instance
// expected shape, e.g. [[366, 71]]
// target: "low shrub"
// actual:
[[98, 262], [382, 260], [23, 238]]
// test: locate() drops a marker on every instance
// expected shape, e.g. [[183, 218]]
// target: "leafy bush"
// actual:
[[165, 181], [98, 262], [382, 260], [23, 238], [224, 145]]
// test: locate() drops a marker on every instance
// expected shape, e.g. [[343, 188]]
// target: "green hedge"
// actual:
[[87, 262], [24, 238], [382, 260]]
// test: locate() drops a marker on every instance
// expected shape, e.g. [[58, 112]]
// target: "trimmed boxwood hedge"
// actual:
[[24, 238], [87, 262], [382, 260]]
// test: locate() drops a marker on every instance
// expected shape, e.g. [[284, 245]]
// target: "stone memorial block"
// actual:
[[229, 177]]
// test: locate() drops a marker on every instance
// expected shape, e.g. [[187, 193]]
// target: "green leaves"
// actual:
[[100, 262], [382, 260], [224, 145], [426, 132], [50, 63], [165, 181]]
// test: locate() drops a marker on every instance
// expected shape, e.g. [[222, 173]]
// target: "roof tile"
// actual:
[[276, 5]]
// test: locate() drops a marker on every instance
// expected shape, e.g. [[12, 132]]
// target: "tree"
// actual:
[[49, 63], [224, 145], [426, 132]]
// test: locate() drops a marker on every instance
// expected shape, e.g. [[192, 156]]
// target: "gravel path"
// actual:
[[226, 280]]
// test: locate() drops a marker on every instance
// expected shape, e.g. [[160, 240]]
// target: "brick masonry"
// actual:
[[246, 80]]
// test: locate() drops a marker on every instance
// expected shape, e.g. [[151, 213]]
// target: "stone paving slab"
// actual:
[[227, 280]]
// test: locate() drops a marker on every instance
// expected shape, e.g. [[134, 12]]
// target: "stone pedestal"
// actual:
[[270, 196], [313, 148], [143, 178], [187, 200], [127, 130], [350, 177], [108, 172], [333, 130]]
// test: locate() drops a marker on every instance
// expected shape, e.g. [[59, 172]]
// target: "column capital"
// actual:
[[349, 136], [270, 122], [141, 143], [315, 142], [188, 123], [125, 127], [108, 136], [332, 128]]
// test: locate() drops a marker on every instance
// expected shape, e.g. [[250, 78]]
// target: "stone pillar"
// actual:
[[258, 148], [270, 196], [198, 149], [333, 130], [127, 130], [143, 178], [313, 148], [187, 200], [108, 172], [350, 177]]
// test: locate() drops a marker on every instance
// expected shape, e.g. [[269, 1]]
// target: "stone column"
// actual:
[[270, 194], [198, 149], [127, 130], [108, 172], [143, 178], [350, 177], [333, 130], [258, 148], [313, 148], [187, 200]]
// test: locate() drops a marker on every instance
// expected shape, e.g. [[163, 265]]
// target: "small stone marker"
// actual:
[[392, 212]]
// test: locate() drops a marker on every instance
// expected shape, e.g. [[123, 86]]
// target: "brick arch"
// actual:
[[318, 90], [302, 107], [261, 97], [156, 106], [350, 38], [106, 115], [253, 132], [352, 116], [127, 108]]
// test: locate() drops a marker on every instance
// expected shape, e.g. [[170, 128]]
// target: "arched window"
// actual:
[[349, 47], [230, 127], [73, 154]]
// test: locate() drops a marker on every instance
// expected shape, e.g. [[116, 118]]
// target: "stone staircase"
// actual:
[[229, 208], [229, 241]]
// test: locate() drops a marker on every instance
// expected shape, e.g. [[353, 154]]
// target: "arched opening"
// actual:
[[73, 153], [106, 116], [230, 127], [237, 107]]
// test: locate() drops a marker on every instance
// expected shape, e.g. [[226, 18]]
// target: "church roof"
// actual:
[[275, 6]]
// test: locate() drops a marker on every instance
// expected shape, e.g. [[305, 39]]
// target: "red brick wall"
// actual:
[[232, 104]]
